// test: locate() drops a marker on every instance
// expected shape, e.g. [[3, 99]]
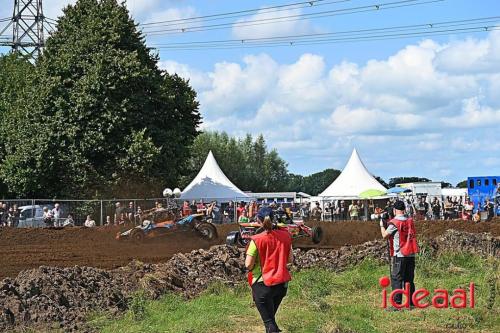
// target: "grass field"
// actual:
[[323, 301]]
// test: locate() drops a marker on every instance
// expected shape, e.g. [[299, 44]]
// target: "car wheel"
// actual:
[[207, 231], [137, 236]]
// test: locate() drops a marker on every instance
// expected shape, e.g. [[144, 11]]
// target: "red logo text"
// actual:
[[440, 298]]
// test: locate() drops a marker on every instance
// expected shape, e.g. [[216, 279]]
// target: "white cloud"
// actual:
[[471, 55], [474, 115], [267, 23], [409, 100]]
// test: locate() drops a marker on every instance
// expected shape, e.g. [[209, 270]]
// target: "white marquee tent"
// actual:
[[212, 183], [353, 180]]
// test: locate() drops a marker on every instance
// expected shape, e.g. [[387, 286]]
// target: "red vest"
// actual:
[[274, 250], [407, 237]]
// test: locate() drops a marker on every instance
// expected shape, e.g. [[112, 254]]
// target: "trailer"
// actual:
[[428, 190], [482, 188]]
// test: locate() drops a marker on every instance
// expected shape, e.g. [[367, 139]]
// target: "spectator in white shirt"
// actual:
[[56, 214], [89, 223]]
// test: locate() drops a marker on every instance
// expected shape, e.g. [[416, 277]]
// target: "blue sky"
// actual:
[[427, 106]]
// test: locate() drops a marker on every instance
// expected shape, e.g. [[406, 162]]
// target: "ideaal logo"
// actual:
[[440, 298]]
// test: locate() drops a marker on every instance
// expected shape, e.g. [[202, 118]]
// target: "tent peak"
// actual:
[[354, 179], [211, 182]]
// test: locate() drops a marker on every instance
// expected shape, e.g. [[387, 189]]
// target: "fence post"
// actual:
[[33, 212], [101, 214]]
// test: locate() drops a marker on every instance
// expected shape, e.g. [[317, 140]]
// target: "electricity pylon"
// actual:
[[28, 28]]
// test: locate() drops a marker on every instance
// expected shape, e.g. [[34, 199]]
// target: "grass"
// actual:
[[325, 302]]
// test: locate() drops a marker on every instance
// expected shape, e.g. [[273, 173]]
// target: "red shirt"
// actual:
[[240, 211]]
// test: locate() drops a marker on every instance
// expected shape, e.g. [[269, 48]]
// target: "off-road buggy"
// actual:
[[297, 229], [163, 221]]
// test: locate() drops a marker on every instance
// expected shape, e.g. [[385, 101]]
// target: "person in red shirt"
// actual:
[[240, 211], [268, 255], [201, 208], [186, 209]]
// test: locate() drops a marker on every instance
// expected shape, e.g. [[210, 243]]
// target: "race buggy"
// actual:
[[297, 229], [163, 221]]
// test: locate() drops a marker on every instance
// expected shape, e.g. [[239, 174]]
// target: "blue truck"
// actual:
[[482, 188]]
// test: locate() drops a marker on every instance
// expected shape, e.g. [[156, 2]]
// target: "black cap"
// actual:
[[399, 205]]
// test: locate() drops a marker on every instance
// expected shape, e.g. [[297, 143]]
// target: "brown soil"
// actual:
[[22, 249]]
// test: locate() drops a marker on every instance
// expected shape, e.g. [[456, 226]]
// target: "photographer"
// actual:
[[403, 247], [267, 257]]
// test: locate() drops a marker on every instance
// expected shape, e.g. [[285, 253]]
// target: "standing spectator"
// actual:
[[89, 223], [343, 209], [130, 212], [57, 215], [108, 221], [16, 215], [241, 210], [201, 208], [304, 211], [316, 212], [213, 211], [336, 210], [193, 207], [448, 209], [229, 212], [48, 219], [329, 208], [354, 211], [10, 217], [436, 209], [138, 216], [361, 210], [467, 210], [252, 209], [489, 208], [119, 213], [186, 209], [4, 214], [388, 209]]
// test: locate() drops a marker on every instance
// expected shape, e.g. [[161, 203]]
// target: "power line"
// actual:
[[240, 14], [441, 24], [383, 35], [297, 5], [337, 12]]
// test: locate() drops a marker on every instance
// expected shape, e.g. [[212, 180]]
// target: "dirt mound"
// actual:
[[63, 296]]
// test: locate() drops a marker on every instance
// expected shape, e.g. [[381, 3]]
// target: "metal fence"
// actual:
[[108, 211]]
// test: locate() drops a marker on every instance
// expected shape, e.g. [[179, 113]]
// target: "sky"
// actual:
[[420, 106]]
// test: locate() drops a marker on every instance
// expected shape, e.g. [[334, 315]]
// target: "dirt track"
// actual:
[[22, 249]]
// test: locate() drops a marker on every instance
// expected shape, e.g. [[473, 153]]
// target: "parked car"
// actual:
[[31, 216]]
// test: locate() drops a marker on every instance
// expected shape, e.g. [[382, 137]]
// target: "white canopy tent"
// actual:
[[353, 180], [212, 183]]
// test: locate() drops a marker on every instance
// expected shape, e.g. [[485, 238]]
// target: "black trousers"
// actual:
[[267, 300], [403, 271]]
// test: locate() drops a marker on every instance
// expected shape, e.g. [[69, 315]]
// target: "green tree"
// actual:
[[318, 182], [462, 184], [15, 75], [382, 181], [101, 117], [246, 162], [402, 180]]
